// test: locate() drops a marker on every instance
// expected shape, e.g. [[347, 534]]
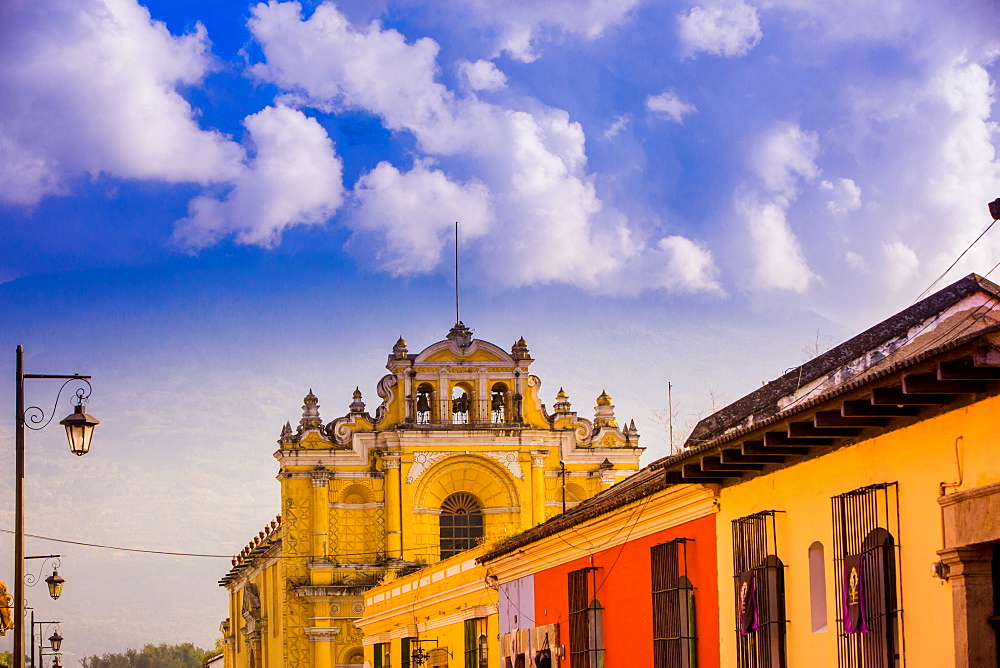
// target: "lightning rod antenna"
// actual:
[[457, 319]]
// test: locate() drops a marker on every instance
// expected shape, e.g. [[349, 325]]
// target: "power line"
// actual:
[[123, 549], [952, 265]]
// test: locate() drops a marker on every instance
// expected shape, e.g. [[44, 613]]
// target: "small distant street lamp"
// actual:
[[55, 640], [79, 432]]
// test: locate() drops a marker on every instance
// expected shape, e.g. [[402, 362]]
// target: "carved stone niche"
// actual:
[[254, 622]]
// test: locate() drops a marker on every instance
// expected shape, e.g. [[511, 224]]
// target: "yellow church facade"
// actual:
[[460, 450]]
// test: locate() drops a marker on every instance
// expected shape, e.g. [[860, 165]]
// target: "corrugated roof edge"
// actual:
[[759, 401]]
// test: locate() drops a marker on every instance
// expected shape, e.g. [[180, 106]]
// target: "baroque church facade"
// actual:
[[460, 451]]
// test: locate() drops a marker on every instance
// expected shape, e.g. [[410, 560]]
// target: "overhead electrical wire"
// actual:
[[952, 265], [123, 549]]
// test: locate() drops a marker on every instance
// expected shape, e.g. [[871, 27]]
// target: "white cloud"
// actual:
[[726, 28], [520, 25], [482, 75], [293, 178], [855, 261], [668, 104], [415, 212], [620, 123], [785, 154], [845, 194], [91, 87], [900, 266], [689, 266], [779, 263], [548, 223]]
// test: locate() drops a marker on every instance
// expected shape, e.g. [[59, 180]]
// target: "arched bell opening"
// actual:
[[461, 403], [425, 403], [499, 403]]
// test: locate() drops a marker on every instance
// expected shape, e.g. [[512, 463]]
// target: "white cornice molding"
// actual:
[[669, 508]]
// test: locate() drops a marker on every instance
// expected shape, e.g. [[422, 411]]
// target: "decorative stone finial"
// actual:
[[357, 406], [399, 350], [310, 412], [519, 350], [286, 434], [606, 464], [604, 412], [562, 404], [632, 432], [460, 334]]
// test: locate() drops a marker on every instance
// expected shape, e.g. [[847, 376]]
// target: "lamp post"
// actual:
[[79, 431], [55, 640]]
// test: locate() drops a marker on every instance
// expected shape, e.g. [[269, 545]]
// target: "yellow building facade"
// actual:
[[445, 613], [460, 449], [859, 497]]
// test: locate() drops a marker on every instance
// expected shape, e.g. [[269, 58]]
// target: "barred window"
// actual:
[[869, 619], [461, 524], [673, 606], [759, 580], [586, 621], [381, 658], [476, 643], [406, 652]]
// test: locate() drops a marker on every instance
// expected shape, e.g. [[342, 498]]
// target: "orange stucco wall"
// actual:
[[624, 586]]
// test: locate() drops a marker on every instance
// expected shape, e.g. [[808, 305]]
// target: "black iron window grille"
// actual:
[[461, 524], [866, 554], [381, 656], [406, 652], [586, 620], [673, 606], [759, 582], [476, 643]]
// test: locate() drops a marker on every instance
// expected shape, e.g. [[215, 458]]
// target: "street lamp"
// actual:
[[55, 584], [79, 432], [55, 640]]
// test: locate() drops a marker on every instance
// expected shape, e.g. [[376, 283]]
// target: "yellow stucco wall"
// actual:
[[919, 458], [433, 605]]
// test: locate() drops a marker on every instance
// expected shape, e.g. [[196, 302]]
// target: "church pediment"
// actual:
[[477, 352]]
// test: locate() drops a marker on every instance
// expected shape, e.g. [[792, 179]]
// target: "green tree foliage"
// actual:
[[152, 656]]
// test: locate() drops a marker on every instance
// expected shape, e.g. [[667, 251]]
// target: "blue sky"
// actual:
[[214, 207]]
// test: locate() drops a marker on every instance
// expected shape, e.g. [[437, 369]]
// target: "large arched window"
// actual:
[[461, 524]]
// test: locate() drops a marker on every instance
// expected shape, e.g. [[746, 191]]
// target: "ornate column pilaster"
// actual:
[[320, 512], [393, 506], [538, 486], [969, 570]]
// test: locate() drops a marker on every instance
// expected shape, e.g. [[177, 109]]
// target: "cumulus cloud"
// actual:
[[293, 178], [727, 28], [482, 75], [544, 222], [415, 212], [668, 104], [688, 266], [520, 26], [785, 154], [92, 88], [779, 263], [845, 195]]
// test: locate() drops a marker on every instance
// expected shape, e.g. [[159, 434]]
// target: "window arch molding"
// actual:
[[489, 482]]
